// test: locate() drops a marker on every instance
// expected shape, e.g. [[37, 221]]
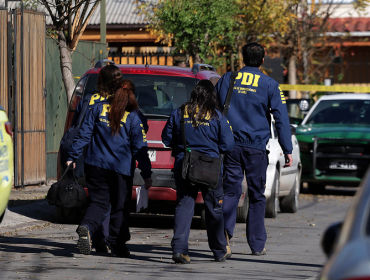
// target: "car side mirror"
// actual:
[[330, 238], [292, 130]]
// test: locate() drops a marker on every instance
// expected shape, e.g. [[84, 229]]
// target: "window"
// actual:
[[157, 95], [341, 112], [77, 94]]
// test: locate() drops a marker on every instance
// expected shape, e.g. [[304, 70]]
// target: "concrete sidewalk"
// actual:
[[27, 207]]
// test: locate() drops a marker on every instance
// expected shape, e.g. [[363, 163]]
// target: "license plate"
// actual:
[[152, 155], [346, 165]]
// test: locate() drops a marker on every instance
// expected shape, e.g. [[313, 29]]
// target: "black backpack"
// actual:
[[67, 140], [67, 193]]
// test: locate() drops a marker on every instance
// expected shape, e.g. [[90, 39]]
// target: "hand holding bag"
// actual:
[[66, 193]]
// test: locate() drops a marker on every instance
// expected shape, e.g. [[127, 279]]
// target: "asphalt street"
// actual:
[[32, 246]]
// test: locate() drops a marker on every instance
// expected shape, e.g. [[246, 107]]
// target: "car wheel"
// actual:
[[315, 188], [289, 203], [272, 203], [242, 212]]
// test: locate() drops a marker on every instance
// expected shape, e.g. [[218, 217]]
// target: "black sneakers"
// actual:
[[120, 251], [180, 258], [84, 240], [222, 259], [100, 246], [260, 253]]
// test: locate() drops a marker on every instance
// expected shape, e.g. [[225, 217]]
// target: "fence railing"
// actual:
[[157, 58]]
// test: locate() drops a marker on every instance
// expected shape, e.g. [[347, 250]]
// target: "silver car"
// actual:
[[348, 243], [282, 184]]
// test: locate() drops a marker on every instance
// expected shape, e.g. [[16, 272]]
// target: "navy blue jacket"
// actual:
[[95, 99], [211, 137], [254, 97], [113, 152]]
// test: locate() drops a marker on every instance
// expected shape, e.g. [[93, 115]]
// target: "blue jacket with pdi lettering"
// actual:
[[95, 99], [112, 152], [211, 137], [254, 97]]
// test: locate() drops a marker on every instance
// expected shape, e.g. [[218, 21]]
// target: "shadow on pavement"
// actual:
[[38, 210], [28, 245]]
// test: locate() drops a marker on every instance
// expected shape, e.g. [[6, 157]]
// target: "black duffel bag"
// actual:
[[67, 193]]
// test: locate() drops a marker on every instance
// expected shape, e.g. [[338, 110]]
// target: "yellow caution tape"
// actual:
[[76, 77], [325, 88]]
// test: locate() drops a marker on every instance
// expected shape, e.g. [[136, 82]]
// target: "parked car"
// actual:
[[282, 184], [6, 162], [334, 140], [160, 90], [347, 244]]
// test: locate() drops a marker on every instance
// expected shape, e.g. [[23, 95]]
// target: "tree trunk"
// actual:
[[305, 72], [232, 64], [292, 76], [66, 66], [197, 58]]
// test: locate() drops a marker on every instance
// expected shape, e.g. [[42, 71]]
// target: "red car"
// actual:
[[159, 90]]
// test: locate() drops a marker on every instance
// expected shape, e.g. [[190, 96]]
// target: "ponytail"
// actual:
[[122, 100]]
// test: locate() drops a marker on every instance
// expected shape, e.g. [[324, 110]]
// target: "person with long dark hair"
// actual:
[[208, 132], [114, 135]]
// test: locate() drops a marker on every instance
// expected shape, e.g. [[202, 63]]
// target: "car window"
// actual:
[[341, 112], [77, 94], [156, 94]]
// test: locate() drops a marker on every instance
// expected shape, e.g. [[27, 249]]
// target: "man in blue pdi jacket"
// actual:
[[254, 97]]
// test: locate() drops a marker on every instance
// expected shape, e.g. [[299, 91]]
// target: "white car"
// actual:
[[282, 184]]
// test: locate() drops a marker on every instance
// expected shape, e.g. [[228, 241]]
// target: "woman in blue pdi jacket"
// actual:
[[114, 135], [209, 132]]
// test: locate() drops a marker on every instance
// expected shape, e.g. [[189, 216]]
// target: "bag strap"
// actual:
[[82, 113], [182, 124], [229, 93], [73, 173]]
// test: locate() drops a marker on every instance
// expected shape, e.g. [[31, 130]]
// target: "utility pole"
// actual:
[[103, 23]]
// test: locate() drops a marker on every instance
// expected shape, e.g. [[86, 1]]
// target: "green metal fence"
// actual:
[[84, 58]]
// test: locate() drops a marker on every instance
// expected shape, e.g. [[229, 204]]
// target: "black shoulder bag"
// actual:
[[198, 167], [66, 193]]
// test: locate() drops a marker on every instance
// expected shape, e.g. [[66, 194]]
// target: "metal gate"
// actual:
[[29, 98], [22, 90]]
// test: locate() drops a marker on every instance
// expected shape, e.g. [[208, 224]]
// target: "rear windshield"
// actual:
[[341, 112], [156, 94]]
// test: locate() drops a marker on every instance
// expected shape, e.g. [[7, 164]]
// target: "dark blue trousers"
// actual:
[[253, 163], [107, 190], [102, 233], [213, 199]]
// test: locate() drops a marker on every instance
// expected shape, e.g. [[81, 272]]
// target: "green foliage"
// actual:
[[197, 27], [208, 28]]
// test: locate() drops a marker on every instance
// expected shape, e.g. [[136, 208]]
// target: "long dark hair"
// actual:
[[202, 103], [120, 94]]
